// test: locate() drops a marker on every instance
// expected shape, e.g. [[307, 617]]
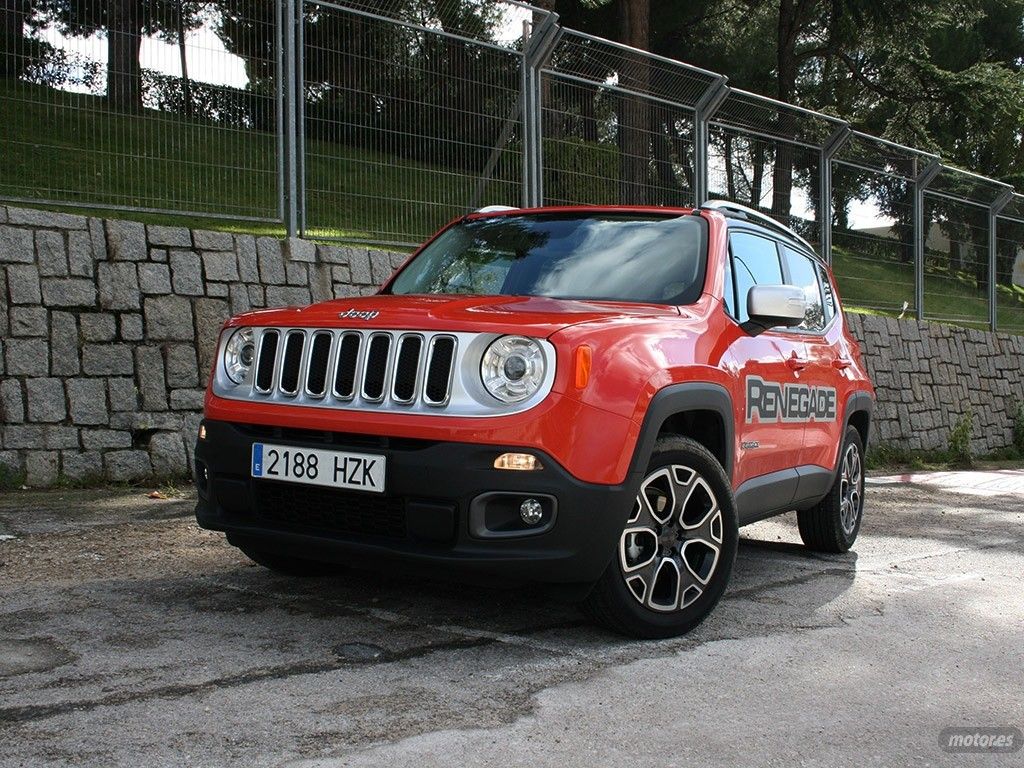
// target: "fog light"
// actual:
[[202, 431], [520, 461], [531, 511]]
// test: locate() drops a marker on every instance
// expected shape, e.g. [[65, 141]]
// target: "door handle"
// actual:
[[841, 363], [796, 363]]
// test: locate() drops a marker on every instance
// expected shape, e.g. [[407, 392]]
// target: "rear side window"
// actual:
[[828, 295], [802, 272], [755, 261]]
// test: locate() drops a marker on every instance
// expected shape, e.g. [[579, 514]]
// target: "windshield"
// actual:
[[613, 257]]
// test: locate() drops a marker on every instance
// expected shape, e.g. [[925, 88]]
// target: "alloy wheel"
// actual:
[[851, 489], [671, 545]]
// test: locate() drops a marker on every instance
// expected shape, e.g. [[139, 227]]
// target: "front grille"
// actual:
[[365, 368], [293, 507]]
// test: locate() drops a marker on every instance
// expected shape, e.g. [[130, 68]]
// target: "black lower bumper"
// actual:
[[445, 506]]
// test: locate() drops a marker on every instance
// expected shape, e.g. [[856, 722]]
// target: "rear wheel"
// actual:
[[676, 552], [290, 566], [832, 524]]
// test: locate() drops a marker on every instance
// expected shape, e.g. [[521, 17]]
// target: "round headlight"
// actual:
[[512, 368], [239, 353]]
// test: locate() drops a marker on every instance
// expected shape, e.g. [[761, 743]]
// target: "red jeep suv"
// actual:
[[591, 396]]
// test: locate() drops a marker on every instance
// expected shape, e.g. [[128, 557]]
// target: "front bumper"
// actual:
[[426, 516]]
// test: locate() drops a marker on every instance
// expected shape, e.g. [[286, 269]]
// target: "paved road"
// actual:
[[129, 637]]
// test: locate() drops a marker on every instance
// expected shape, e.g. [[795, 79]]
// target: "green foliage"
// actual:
[[960, 439], [10, 478], [1017, 419], [577, 171]]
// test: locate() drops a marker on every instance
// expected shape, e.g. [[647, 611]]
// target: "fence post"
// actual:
[[289, 102], [834, 144], [704, 110], [544, 36], [993, 224], [924, 178]]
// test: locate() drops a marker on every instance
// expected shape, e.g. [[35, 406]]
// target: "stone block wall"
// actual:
[[107, 331], [108, 328], [928, 375]]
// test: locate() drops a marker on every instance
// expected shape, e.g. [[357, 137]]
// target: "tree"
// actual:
[[125, 23], [634, 112]]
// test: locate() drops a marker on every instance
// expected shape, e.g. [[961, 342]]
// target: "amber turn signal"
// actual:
[[584, 360]]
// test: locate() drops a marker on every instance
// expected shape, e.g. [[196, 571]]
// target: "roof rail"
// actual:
[[756, 215], [496, 208]]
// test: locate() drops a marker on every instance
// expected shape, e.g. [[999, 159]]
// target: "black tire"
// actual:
[[618, 606], [828, 526], [291, 566]]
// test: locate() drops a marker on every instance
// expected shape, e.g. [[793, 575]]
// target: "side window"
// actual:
[[729, 288], [755, 261], [803, 273], [829, 296]]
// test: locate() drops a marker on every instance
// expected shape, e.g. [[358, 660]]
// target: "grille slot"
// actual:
[[319, 359], [375, 371], [439, 370], [267, 358], [348, 363], [407, 366], [291, 362]]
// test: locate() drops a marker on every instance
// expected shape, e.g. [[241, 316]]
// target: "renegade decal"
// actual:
[[789, 403]]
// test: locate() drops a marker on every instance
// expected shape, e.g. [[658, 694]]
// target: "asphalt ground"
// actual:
[[130, 637]]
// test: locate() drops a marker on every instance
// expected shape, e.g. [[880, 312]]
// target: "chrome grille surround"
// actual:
[[462, 389]]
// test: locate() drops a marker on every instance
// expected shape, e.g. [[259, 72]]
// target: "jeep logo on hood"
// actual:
[[357, 314]]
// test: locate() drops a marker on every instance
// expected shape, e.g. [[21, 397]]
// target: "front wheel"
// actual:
[[832, 524], [676, 552]]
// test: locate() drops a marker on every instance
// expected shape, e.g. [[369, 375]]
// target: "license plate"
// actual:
[[313, 466]]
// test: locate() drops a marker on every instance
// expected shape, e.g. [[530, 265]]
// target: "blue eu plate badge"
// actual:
[[257, 459]]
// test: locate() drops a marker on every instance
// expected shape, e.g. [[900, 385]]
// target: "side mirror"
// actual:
[[770, 306]]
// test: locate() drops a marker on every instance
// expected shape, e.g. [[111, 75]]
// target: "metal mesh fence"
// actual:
[[379, 121], [956, 261], [404, 127], [606, 146], [777, 177], [146, 110], [1010, 274], [874, 265]]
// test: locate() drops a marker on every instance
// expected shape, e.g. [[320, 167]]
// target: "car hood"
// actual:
[[528, 315]]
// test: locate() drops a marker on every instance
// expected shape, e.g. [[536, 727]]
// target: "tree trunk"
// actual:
[[730, 182], [757, 175], [124, 41], [788, 31], [634, 112], [668, 192], [186, 83]]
